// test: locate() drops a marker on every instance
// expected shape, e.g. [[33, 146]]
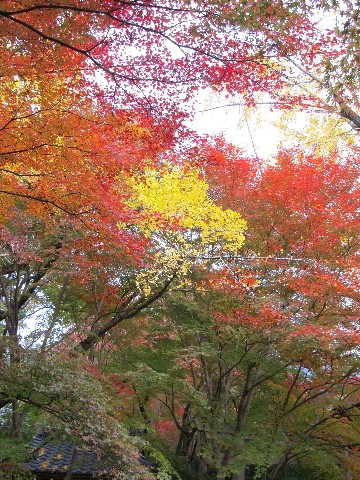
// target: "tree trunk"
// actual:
[[203, 468], [14, 356], [239, 476], [186, 434], [280, 466], [15, 419], [71, 466], [184, 442], [348, 473]]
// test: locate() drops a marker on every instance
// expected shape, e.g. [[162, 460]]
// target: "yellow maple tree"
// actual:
[[179, 197]]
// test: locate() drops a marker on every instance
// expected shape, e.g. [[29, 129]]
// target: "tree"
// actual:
[[244, 49], [312, 46], [87, 242], [170, 42], [259, 361], [303, 258], [242, 389], [81, 288]]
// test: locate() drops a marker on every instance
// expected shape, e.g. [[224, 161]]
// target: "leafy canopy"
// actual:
[[182, 198]]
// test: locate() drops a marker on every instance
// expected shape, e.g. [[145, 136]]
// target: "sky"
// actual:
[[255, 132]]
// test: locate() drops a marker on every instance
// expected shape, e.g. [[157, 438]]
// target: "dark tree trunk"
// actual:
[[15, 419], [203, 468]]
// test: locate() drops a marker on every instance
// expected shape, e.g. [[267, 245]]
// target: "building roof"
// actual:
[[53, 457]]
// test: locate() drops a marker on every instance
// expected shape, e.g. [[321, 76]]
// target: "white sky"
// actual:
[[255, 133]]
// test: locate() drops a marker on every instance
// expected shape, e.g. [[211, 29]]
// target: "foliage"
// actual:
[[78, 402], [258, 356], [167, 280], [182, 197], [12, 459]]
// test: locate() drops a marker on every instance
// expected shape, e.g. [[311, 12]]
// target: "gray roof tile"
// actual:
[[54, 456]]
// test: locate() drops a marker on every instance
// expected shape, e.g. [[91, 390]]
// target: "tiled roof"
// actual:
[[55, 456]]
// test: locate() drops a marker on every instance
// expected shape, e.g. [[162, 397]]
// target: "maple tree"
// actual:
[[305, 259], [243, 48], [94, 98], [46, 31], [240, 393], [88, 282], [314, 49], [260, 363], [165, 46], [59, 192]]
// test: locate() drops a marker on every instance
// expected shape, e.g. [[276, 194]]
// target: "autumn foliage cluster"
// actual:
[[168, 294]]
